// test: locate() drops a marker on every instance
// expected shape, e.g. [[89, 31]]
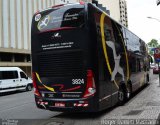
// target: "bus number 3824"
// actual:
[[77, 81]]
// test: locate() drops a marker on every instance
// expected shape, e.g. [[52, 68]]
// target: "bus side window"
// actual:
[[142, 65], [138, 65], [133, 64]]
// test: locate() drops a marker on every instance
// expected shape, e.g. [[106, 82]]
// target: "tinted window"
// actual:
[[67, 16], [136, 65], [8, 75], [23, 75], [133, 42]]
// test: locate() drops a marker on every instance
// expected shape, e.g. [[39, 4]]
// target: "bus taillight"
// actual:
[[36, 92], [90, 87]]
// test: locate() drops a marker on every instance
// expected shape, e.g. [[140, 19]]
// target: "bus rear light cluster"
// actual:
[[90, 87], [36, 92], [80, 104]]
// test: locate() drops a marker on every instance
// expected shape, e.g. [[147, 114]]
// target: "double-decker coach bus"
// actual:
[[83, 60]]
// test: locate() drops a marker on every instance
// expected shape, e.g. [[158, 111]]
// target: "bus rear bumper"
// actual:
[[67, 105]]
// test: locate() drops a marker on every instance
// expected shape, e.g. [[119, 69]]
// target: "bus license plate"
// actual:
[[57, 104]]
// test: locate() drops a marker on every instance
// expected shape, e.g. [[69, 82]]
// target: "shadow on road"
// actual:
[[12, 93], [82, 115]]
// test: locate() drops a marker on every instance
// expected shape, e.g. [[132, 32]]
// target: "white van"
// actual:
[[13, 78]]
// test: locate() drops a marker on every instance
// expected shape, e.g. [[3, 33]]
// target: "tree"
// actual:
[[153, 43]]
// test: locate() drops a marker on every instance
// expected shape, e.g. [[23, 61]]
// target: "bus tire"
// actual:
[[122, 94]]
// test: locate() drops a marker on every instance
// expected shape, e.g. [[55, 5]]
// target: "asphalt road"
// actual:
[[21, 106]]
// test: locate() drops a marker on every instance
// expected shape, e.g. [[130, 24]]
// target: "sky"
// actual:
[[138, 23]]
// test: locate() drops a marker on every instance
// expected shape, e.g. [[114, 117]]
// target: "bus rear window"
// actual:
[[68, 16]]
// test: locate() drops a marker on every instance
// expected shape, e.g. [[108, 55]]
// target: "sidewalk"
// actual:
[[144, 108]]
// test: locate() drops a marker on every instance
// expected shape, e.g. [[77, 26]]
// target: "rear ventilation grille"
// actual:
[[61, 64]]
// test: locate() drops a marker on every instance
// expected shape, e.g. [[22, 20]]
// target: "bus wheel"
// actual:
[[120, 97], [122, 94]]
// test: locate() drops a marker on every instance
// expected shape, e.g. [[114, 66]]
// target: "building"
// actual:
[[70, 1], [123, 13], [118, 10], [15, 27]]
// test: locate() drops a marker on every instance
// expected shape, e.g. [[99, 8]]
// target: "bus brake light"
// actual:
[[90, 87], [36, 92]]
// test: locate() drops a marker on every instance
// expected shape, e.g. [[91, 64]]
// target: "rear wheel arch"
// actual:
[[122, 93]]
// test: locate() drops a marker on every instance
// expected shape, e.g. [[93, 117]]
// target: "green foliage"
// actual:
[[153, 43], [151, 52]]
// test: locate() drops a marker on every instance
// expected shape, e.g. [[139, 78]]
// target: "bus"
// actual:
[[83, 60]]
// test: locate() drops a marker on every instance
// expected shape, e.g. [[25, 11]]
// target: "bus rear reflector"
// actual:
[[90, 87], [36, 92], [80, 104]]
